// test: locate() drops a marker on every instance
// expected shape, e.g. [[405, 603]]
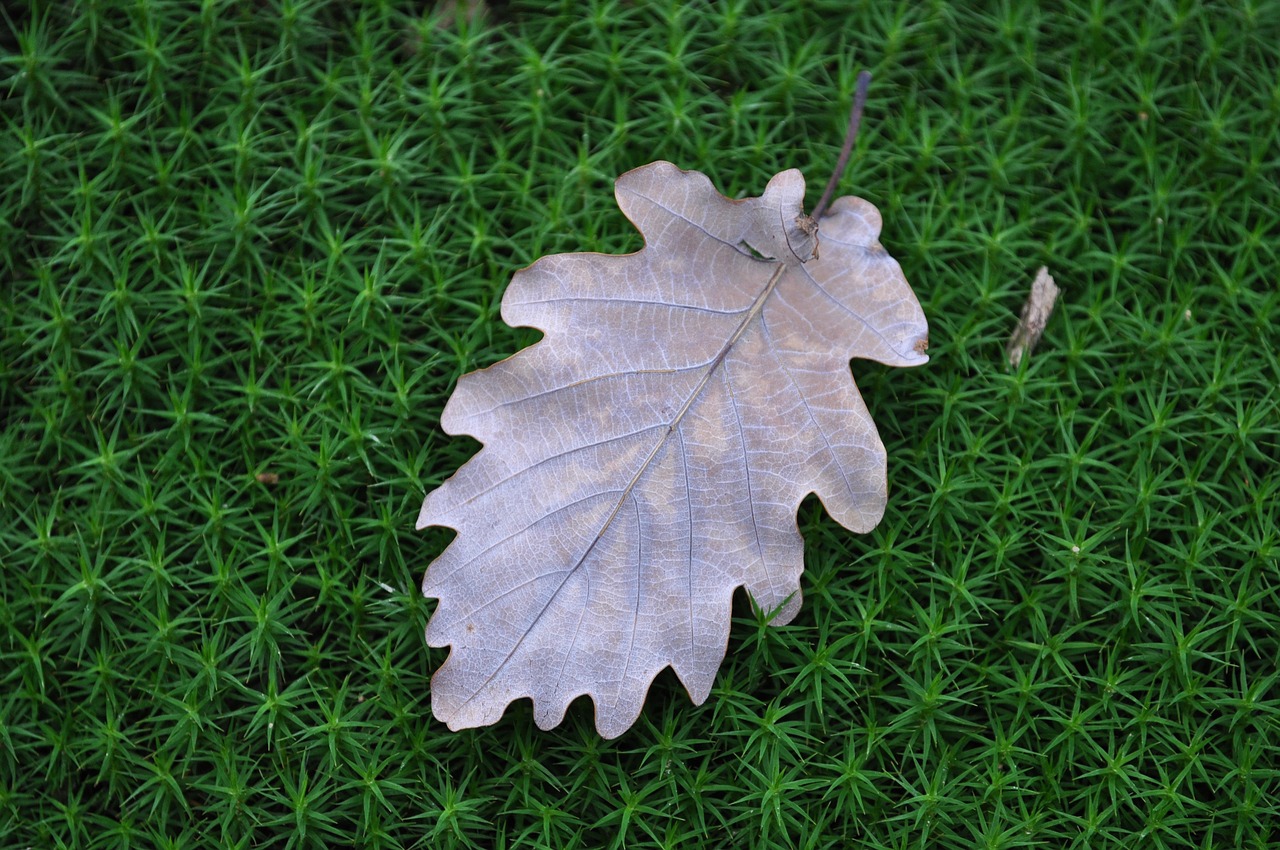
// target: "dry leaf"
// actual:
[[1035, 315], [647, 457]]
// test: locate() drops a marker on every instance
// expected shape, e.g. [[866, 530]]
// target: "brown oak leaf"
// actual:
[[648, 455]]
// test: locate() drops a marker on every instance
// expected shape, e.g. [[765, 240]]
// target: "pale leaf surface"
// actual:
[[648, 455]]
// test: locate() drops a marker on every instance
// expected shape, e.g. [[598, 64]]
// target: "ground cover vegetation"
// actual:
[[247, 249]]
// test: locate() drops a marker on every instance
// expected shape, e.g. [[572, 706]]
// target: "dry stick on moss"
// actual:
[[855, 119], [1034, 318]]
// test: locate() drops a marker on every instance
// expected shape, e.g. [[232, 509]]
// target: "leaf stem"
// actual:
[[855, 119]]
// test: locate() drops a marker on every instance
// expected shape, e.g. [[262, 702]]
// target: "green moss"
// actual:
[[248, 249]]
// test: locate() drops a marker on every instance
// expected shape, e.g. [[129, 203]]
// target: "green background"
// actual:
[[248, 247]]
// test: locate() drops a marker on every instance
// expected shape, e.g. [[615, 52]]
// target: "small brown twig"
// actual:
[[855, 119], [1035, 315]]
